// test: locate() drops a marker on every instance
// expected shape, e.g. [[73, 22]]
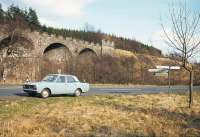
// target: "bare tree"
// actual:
[[183, 37]]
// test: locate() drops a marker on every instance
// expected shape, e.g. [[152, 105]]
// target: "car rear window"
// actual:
[[70, 79]]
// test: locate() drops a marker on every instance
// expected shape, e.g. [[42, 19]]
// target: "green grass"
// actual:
[[105, 115]]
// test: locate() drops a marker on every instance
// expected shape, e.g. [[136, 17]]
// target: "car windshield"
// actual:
[[50, 78]]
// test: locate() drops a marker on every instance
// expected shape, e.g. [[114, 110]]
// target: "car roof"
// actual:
[[76, 79], [62, 75]]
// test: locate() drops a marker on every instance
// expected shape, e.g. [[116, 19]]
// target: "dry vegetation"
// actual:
[[151, 115]]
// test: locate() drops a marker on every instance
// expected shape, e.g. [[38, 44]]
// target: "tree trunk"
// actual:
[[190, 89]]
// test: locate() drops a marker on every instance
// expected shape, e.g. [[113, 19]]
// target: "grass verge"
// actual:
[[106, 115]]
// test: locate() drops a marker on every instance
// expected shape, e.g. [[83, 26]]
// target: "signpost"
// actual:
[[164, 71], [168, 67]]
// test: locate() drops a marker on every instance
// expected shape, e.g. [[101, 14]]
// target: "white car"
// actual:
[[55, 84]]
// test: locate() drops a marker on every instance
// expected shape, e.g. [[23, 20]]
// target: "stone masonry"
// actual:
[[39, 43]]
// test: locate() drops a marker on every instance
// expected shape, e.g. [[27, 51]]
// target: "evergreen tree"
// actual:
[[1, 11], [33, 18], [13, 12], [44, 28], [26, 15]]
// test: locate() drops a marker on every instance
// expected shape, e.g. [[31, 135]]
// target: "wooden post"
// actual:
[[191, 89], [169, 78]]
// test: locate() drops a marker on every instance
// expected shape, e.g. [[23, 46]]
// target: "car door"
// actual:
[[60, 85], [50, 82], [71, 84]]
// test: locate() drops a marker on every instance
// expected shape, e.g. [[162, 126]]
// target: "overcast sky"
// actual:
[[138, 19]]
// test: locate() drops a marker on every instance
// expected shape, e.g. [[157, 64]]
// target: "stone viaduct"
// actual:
[[42, 41], [37, 44]]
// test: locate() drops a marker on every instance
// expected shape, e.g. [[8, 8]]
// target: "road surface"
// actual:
[[17, 91]]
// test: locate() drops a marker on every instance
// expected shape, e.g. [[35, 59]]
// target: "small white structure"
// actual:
[[158, 70], [169, 67], [164, 71]]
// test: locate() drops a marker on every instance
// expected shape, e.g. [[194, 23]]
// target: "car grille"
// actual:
[[28, 87]]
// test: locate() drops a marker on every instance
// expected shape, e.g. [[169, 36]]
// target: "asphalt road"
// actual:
[[17, 91]]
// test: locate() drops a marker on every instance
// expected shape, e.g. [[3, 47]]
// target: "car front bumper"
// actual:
[[30, 91]]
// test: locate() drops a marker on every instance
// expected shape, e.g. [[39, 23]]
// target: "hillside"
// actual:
[[17, 17]]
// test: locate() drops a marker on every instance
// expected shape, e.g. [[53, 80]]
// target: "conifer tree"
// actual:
[[33, 19]]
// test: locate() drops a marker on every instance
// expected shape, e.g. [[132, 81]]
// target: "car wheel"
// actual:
[[77, 92], [32, 94], [45, 93]]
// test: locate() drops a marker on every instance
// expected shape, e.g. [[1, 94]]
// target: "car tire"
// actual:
[[32, 94], [45, 93], [77, 92]]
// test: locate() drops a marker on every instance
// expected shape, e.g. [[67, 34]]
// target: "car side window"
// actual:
[[61, 79], [70, 79]]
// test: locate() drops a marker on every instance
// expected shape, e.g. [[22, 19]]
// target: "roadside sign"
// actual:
[[175, 67], [153, 70], [162, 67], [158, 70], [169, 67], [164, 71]]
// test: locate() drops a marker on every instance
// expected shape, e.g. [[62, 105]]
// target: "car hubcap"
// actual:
[[45, 93], [78, 93]]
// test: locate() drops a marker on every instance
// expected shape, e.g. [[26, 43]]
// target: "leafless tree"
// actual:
[[183, 37]]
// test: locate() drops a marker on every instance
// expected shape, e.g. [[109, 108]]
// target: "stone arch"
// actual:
[[56, 59], [18, 46], [16, 57], [85, 67], [87, 50], [57, 46]]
